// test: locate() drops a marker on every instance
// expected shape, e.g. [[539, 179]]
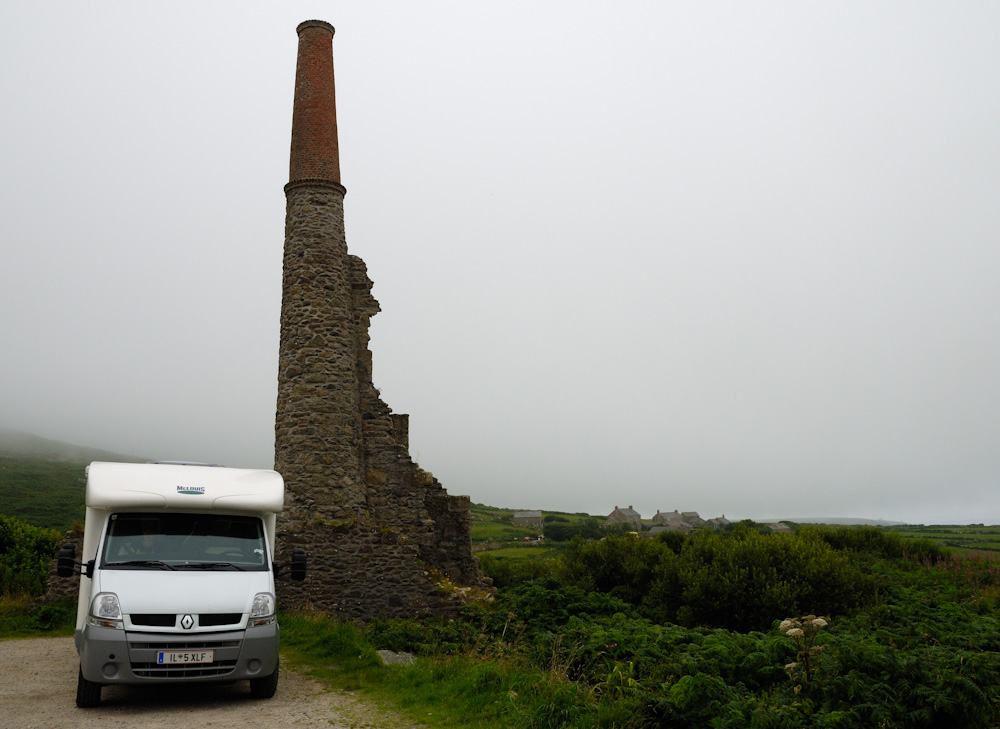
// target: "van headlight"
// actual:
[[262, 610], [105, 611]]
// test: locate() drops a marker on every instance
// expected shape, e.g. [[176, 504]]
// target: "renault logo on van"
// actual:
[[196, 490], [187, 622]]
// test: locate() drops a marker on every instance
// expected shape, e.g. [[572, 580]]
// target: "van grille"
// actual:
[[184, 645], [144, 665], [202, 670], [168, 620]]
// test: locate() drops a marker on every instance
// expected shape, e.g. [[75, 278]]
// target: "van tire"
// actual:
[[265, 686], [88, 693]]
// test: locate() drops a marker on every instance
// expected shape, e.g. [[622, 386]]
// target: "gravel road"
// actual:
[[38, 691]]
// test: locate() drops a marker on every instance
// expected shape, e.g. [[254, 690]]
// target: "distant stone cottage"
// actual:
[[666, 518], [528, 519], [624, 516]]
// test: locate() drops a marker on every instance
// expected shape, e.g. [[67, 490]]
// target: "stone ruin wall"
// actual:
[[382, 533], [384, 538]]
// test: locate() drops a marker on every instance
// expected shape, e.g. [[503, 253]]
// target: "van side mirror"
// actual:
[[298, 564], [66, 562]]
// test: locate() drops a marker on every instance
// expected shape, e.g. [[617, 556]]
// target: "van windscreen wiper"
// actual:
[[213, 566], [142, 563]]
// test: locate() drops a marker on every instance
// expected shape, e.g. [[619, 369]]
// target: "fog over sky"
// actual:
[[739, 258]]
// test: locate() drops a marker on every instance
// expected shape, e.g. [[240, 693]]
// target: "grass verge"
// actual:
[[20, 617], [469, 691]]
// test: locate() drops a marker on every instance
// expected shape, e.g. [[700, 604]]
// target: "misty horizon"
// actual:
[[731, 258]]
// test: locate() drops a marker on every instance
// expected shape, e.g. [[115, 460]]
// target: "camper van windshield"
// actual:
[[184, 542]]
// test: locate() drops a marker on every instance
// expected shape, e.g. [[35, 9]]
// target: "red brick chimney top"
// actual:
[[315, 157]]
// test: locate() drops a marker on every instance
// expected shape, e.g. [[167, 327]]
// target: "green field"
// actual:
[[527, 551], [494, 534], [41, 492], [963, 539], [491, 526]]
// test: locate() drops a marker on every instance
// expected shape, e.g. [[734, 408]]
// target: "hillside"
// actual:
[[42, 480], [18, 443]]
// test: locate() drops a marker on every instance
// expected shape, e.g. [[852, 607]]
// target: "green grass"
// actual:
[[20, 617], [494, 531], [962, 539], [448, 691], [525, 552], [41, 492]]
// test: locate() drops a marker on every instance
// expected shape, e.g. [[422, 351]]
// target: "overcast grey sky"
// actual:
[[730, 257]]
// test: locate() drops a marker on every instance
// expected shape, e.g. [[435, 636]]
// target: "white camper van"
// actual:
[[177, 576]]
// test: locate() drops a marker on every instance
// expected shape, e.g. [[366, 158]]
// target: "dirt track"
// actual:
[[38, 691]]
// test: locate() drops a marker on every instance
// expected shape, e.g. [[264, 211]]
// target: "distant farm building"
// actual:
[[624, 516], [668, 518], [528, 519], [692, 518]]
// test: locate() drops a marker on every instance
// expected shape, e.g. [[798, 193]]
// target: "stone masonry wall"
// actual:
[[318, 420], [380, 531]]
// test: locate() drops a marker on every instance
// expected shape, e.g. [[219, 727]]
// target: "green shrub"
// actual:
[[545, 606], [621, 565], [739, 580], [874, 542], [26, 554], [674, 540], [426, 636]]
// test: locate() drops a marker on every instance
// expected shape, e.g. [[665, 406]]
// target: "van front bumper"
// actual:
[[109, 656]]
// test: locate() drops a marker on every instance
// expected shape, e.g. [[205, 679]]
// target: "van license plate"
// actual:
[[185, 657]]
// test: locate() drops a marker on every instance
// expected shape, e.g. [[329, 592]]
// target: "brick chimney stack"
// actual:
[[318, 424], [377, 527], [315, 154]]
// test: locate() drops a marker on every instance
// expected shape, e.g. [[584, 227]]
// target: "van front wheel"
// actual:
[[264, 687], [88, 693]]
